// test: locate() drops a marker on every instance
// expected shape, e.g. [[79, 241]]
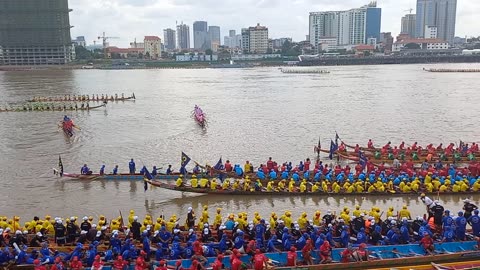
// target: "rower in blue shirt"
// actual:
[[102, 170], [85, 170], [154, 171], [115, 170], [285, 175], [196, 169], [131, 166], [169, 170], [273, 175]]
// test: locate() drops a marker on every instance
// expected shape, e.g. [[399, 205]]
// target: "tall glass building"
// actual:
[[34, 32], [438, 13], [374, 22], [200, 35]]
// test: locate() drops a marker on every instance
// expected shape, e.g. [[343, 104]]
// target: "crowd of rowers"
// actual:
[[52, 107], [94, 97], [417, 152], [340, 179], [165, 239]]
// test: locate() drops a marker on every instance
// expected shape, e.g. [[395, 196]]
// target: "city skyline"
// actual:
[[129, 19]]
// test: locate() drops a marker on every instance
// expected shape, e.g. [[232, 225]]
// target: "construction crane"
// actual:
[[410, 10], [104, 39]]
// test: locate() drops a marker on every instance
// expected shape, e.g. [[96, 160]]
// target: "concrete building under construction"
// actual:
[[34, 32]]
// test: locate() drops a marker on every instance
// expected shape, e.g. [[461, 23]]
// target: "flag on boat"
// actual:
[[60, 165], [185, 160], [362, 159], [336, 138], [219, 165], [146, 176], [333, 148]]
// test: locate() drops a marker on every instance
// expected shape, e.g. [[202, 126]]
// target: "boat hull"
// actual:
[[264, 192]]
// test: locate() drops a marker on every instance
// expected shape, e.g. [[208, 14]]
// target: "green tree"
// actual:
[[269, 50], [208, 52], [147, 55], [82, 53]]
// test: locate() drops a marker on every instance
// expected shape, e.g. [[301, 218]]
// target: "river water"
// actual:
[[252, 114]]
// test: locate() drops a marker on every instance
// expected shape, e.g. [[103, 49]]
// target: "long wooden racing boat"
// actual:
[[380, 256], [386, 160], [51, 109], [424, 151], [199, 116], [82, 98], [263, 191], [351, 155]]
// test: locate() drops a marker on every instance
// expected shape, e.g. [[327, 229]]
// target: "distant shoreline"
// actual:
[[327, 61]]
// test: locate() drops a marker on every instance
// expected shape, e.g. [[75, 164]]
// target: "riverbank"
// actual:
[[129, 64]]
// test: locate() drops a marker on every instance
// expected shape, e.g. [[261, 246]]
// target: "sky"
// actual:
[[130, 19]]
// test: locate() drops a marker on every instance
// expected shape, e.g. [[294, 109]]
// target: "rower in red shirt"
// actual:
[[338, 169], [306, 165], [342, 147], [387, 146], [357, 148], [236, 262], [162, 265], [381, 167], [358, 169], [76, 264], [395, 151], [440, 147], [408, 152], [306, 253], [370, 144], [259, 260], [427, 243], [292, 257], [325, 253], [265, 169], [402, 146], [228, 166], [370, 167], [347, 170], [269, 164], [218, 263], [414, 146]]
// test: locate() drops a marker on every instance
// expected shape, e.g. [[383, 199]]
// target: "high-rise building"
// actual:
[[409, 24], [35, 32], [80, 41], [439, 13], [183, 37], [255, 39], [352, 26], [169, 39], [232, 33], [200, 35], [374, 21], [214, 37]]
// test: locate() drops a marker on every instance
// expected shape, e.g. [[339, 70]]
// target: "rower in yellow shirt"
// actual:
[[270, 186], [303, 186], [317, 218], [404, 213], [360, 188], [390, 212], [456, 188], [288, 219], [194, 182], [476, 186], [316, 187], [443, 188], [236, 184], [325, 186], [281, 185], [179, 182], [247, 167], [291, 186], [273, 219], [213, 184], [357, 211], [203, 182], [302, 220], [226, 184], [336, 188], [218, 219], [205, 214]]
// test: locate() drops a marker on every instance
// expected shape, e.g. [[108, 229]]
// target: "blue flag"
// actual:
[[362, 159], [185, 160], [333, 148], [219, 165], [147, 174]]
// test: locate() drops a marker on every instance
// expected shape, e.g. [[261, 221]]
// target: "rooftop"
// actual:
[[420, 40], [151, 38]]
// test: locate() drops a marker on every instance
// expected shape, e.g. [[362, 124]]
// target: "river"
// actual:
[[252, 114]]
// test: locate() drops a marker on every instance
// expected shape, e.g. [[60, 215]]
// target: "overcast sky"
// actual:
[[130, 19]]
